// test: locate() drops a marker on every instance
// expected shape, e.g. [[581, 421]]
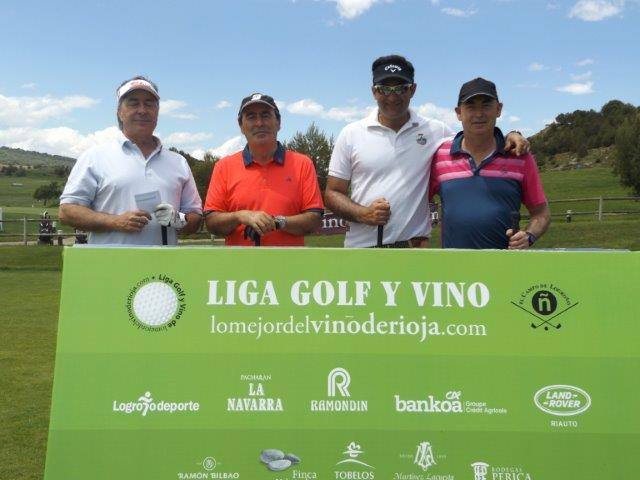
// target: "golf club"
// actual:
[[380, 236]]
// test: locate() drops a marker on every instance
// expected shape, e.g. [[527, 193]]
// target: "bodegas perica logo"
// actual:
[[156, 303], [545, 302]]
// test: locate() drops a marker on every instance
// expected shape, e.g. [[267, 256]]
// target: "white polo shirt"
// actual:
[[107, 178], [380, 162]]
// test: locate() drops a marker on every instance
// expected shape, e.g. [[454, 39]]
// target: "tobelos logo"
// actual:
[[562, 400], [545, 302], [146, 404], [156, 303]]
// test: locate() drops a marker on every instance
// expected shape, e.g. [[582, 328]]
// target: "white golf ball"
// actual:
[[155, 304]]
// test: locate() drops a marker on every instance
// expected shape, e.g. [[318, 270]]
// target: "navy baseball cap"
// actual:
[[477, 86]]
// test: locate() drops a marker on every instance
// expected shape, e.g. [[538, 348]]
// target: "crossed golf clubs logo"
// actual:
[[544, 304]]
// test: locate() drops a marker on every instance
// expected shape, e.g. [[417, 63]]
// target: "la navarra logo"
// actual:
[[545, 302], [156, 303]]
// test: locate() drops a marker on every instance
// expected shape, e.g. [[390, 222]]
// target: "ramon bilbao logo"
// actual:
[[546, 302], [156, 303], [562, 400]]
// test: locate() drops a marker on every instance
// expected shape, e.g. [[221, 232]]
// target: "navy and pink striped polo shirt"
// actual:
[[477, 199]]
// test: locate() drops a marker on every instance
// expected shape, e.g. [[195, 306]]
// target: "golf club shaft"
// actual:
[[164, 235], [380, 235]]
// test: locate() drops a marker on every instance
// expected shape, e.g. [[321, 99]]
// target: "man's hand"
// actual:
[[519, 240], [167, 216], [261, 222], [131, 222], [517, 143], [377, 213]]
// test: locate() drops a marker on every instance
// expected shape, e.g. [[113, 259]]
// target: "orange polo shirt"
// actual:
[[285, 186]]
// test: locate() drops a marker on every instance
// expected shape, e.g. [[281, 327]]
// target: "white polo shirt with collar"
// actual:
[[107, 178], [380, 162]]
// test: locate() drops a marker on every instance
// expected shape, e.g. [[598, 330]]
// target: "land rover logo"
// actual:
[[562, 400]]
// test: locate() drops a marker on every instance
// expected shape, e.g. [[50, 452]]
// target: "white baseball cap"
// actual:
[[137, 84]]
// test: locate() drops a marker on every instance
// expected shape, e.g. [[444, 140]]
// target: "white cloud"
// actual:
[[173, 109], [60, 140], [537, 67], [186, 138], [229, 147], [29, 86], [596, 10], [223, 104], [446, 115], [350, 9], [514, 118], [22, 111], [458, 12], [577, 88], [312, 108], [582, 76], [585, 62], [306, 106]]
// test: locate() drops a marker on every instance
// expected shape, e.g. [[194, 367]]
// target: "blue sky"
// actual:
[[62, 61]]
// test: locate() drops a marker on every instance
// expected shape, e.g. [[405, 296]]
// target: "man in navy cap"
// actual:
[[481, 185], [379, 169]]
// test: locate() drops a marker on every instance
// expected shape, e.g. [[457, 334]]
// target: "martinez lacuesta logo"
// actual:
[[156, 303], [545, 302]]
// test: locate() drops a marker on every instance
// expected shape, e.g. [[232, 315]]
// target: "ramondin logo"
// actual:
[[545, 302], [156, 303], [338, 382], [145, 404], [562, 400], [338, 378]]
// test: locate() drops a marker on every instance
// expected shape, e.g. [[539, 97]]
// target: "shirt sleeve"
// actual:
[[217, 200], [82, 185], [434, 184], [311, 196], [340, 165], [447, 131], [532, 192], [190, 200]]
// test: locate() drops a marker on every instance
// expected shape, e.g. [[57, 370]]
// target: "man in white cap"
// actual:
[[132, 191]]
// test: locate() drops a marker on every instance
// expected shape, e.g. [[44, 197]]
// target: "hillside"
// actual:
[[17, 156]]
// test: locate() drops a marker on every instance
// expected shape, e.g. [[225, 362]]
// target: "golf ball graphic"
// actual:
[[155, 304]]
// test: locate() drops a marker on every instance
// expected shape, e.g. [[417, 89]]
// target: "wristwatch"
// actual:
[[531, 237], [281, 221]]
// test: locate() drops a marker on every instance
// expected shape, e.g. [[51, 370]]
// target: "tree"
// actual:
[[200, 169], [47, 192], [315, 144], [61, 171], [627, 156]]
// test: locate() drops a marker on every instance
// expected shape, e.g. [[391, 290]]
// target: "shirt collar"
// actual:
[[278, 155], [124, 141], [372, 119], [456, 146]]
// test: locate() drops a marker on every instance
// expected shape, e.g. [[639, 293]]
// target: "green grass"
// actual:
[[27, 350]]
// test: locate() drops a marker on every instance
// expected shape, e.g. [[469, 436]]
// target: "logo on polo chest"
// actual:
[[421, 139]]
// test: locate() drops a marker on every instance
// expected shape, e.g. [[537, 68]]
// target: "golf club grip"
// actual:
[[164, 235], [256, 240], [380, 235], [515, 221]]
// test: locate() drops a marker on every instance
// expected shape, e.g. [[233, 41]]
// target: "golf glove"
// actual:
[[167, 216]]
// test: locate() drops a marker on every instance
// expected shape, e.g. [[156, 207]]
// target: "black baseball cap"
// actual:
[[258, 98], [396, 67], [477, 86]]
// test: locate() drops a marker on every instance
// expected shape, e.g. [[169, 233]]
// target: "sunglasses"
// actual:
[[386, 90]]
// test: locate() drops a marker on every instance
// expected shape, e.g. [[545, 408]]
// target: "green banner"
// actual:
[[346, 364]]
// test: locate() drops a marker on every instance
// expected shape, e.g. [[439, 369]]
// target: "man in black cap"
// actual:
[[384, 160], [481, 185], [264, 194]]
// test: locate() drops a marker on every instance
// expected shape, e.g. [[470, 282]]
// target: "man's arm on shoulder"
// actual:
[[84, 218], [337, 200], [514, 141]]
